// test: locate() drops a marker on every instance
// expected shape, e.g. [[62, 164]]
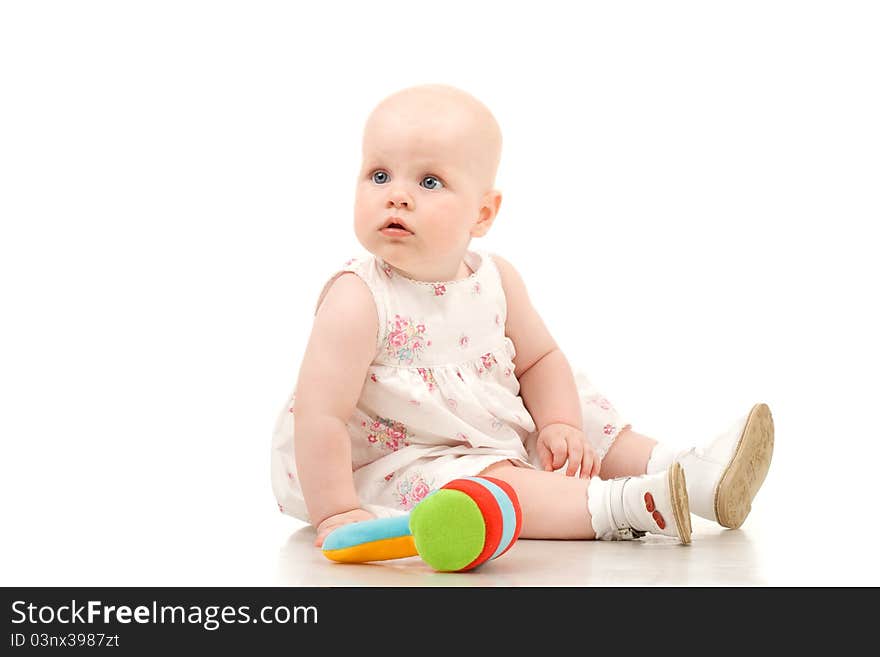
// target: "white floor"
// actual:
[[722, 558], [795, 551], [797, 535]]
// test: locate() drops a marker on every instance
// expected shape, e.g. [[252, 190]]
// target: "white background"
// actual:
[[690, 193]]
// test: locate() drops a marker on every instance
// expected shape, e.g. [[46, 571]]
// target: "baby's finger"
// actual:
[[560, 451], [597, 465], [544, 456], [575, 456], [586, 464], [324, 531]]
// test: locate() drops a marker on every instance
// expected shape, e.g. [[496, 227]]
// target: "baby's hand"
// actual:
[[560, 442], [331, 523]]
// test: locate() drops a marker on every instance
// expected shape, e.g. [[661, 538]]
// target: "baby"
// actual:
[[427, 362]]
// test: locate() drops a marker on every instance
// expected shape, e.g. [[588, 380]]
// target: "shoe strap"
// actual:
[[617, 511]]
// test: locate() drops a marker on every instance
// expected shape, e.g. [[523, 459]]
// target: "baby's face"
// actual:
[[430, 169]]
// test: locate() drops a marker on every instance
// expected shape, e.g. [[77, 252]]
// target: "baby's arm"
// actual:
[[339, 352], [547, 384]]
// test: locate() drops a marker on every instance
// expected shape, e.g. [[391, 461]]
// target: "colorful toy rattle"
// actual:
[[457, 527]]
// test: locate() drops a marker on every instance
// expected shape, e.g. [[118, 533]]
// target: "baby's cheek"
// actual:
[[452, 223], [364, 228], [446, 237]]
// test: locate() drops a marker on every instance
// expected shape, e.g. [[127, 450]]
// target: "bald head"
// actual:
[[432, 116]]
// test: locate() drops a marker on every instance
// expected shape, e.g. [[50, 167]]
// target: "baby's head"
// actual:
[[430, 154]]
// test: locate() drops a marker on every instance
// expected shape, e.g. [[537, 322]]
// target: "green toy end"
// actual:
[[448, 529]]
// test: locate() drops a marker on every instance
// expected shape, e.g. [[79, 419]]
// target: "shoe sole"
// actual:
[[747, 469], [680, 506]]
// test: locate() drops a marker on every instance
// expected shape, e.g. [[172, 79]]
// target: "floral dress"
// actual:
[[440, 399]]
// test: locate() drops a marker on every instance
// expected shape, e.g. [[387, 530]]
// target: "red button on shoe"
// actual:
[[661, 523], [649, 503]]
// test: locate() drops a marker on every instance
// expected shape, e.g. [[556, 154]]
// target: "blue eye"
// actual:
[[438, 185], [379, 177]]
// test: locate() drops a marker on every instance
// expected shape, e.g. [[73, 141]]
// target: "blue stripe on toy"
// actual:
[[508, 514], [366, 531]]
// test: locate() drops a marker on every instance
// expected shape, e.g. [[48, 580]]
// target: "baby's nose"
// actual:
[[399, 199]]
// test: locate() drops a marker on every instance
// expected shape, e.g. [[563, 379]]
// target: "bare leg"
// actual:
[[627, 456], [553, 506]]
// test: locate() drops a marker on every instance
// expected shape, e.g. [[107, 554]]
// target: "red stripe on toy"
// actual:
[[507, 488], [491, 512]]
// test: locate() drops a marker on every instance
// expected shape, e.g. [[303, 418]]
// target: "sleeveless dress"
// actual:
[[440, 399]]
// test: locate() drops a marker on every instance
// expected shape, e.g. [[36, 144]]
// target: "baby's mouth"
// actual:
[[395, 228]]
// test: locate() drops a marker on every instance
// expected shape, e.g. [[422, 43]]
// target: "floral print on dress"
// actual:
[[602, 403], [428, 378], [488, 361], [412, 489], [477, 289], [405, 340], [608, 429], [388, 434], [439, 290]]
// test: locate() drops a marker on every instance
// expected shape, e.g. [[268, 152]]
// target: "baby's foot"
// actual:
[[724, 477], [629, 507]]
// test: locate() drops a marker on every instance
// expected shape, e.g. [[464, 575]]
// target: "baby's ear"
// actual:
[[488, 211]]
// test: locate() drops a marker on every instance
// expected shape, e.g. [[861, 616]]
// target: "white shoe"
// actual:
[[724, 477], [627, 508]]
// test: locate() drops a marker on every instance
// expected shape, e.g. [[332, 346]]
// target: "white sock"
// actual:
[[661, 458], [608, 502], [597, 502]]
